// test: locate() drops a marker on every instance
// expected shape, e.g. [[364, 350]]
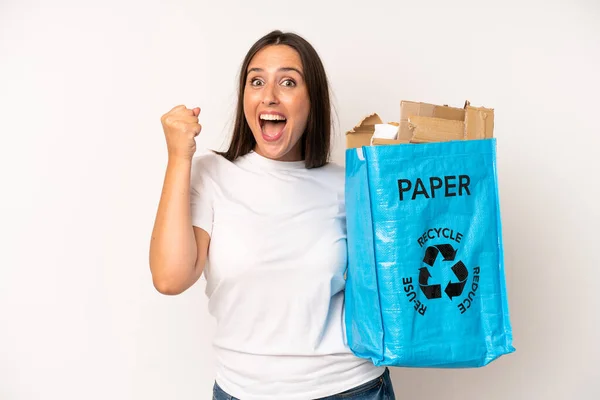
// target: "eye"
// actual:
[[256, 82], [288, 83]]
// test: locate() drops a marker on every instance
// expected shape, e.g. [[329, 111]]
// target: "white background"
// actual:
[[82, 159]]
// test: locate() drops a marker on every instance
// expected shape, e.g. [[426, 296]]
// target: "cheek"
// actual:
[[303, 111], [249, 108], [300, 108]]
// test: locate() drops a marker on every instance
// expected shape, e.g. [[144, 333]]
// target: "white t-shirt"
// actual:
[[275, 276]]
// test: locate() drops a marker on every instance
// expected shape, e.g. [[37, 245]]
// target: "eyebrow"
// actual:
[[283, 69]]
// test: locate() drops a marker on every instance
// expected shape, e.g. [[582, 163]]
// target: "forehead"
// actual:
[[276, 56]]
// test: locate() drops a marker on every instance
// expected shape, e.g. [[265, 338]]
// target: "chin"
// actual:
[[270, 152]]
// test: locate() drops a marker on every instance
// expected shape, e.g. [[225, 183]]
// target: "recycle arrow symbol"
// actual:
[[432, 252], [456, 289], [430, 291], [453, 289]]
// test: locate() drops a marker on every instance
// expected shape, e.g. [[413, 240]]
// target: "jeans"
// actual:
[[377, 389]]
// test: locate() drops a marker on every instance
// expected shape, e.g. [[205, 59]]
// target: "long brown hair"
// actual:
[[316, 140]]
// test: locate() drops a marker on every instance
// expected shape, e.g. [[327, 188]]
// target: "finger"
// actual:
[[196, 111], [189, 119], [198, 130]]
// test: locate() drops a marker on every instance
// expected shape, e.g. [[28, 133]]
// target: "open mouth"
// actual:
[[272, 125]]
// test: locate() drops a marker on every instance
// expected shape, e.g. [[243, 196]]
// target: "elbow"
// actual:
[[171, 277], [168, 284], [166, 287]]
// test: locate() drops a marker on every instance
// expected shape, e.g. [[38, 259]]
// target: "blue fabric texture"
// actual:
[[425, 281]]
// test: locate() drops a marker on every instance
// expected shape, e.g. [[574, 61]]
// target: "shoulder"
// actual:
[[334, 168], [331, 172], [209, 162], [206, 159], [335, 178], [206, 166], [331, 178]]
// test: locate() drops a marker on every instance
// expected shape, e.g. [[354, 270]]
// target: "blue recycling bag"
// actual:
[[425, 281]]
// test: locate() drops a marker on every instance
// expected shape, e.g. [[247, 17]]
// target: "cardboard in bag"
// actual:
[[426, 123], [361, 134]]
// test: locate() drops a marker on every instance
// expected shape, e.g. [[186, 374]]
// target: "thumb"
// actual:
[[196, 111]]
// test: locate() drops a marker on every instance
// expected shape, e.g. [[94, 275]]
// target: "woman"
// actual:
[[265, 222]]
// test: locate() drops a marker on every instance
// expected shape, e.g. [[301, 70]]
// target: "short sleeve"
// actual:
[[202, 191]]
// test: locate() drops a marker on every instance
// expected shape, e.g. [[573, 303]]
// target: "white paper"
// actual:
[[385, 131]]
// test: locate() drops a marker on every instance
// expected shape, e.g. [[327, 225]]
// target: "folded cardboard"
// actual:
[[361, 134], [425, 123]]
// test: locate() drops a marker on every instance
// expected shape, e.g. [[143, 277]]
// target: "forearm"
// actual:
[[173, 249]]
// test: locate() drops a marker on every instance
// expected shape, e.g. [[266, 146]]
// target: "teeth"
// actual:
[[271, 117]]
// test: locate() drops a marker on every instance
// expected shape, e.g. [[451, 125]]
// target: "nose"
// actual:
[[269, 95]]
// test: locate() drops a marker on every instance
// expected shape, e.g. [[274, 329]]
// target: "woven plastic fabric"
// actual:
[[425, 281]]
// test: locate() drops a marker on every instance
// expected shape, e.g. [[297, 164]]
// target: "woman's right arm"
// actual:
[[178, 250]]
